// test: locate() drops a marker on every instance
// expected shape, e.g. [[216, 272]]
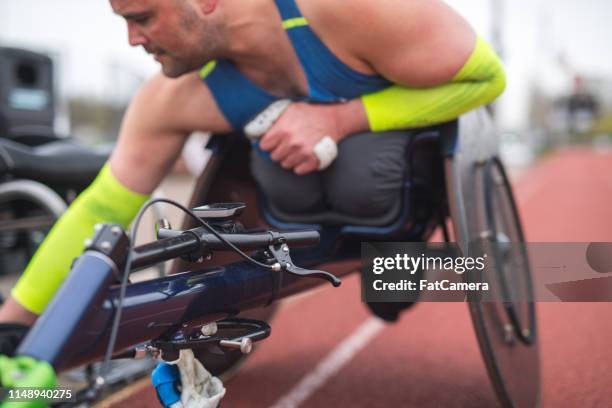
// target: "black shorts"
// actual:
[[365, 180]]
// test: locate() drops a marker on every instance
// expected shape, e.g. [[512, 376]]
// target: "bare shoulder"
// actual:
[[183, 104], [399, 38]]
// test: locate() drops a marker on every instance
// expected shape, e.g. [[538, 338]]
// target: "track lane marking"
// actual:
[[331, 364]]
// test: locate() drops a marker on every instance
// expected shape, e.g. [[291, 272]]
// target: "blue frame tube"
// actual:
[[55, 334], [76, 326]]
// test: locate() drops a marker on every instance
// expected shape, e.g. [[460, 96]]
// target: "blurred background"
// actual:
[[559, 72], [66, 68]]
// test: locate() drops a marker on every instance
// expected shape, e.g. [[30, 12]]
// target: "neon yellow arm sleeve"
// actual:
[[105, 200], [481, 80]]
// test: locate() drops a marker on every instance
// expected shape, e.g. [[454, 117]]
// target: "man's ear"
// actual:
[[205, 6]]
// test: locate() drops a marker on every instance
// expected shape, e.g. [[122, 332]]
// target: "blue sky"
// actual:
[[94, 58]]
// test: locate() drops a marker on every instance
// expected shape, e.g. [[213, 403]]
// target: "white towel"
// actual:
[[199, 389]]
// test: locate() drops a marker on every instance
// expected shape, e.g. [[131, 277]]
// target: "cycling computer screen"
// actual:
[[219, 210]]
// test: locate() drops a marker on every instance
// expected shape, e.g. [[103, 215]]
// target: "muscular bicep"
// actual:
[[415, 43], [156, 125], [440, 68], [184, 104]]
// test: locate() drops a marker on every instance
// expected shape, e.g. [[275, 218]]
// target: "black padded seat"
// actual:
[[424, 151], [59, 162]]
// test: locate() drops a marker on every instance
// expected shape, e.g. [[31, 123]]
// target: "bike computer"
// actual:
[[219, 210]]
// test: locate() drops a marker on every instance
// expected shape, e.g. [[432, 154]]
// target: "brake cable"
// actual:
[[100, 380]]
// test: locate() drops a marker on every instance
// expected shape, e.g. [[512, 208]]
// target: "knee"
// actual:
[[368, 177]]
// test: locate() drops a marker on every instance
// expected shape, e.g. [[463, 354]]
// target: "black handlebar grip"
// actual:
[[261, 239]]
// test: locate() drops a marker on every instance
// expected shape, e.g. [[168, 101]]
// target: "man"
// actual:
[[377, 67]]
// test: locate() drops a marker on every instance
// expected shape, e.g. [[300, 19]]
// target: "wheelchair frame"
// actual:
[[75, 327]]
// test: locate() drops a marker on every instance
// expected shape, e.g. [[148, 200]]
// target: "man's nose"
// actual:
[[135, 36]]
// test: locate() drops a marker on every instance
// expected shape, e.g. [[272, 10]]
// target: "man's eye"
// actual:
[[142, 20]]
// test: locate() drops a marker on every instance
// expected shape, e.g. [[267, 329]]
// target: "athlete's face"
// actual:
[[175, 32]]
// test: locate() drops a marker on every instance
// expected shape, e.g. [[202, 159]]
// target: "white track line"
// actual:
[[331, 364]]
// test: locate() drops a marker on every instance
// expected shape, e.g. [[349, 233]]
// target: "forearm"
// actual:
[[479, 82], [106, 200]]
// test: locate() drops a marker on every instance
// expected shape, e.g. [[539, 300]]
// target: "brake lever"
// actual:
[[280, 251]]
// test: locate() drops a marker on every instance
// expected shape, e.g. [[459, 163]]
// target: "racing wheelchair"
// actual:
[[40, 174], [454, 174]]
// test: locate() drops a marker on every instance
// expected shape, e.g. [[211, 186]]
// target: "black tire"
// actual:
[[506, 327]]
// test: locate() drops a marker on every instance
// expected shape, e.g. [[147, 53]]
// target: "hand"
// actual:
[[292, 138]]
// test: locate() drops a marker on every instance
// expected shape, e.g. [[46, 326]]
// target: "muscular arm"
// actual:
[[430, 52], [440, 68], [156, 125], [153, 132], [479, 82]]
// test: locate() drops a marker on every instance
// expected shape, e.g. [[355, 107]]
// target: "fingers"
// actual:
[[307, 167], [300, 163], [290, 152], [294, 156], [291, 161], [282, 151], [271, 140], [279, 131]]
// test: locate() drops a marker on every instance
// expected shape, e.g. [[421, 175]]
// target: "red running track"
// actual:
[[430, 358]]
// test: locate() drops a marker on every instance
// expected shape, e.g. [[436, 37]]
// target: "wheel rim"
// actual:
[[511, 355], [494, 168]]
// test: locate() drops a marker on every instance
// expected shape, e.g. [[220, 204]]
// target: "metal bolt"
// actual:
[[288, 265], [209, 329], [208, 257], [100, 381], [88, 242], [116, 230], [154, 351], [105, 246], [285, 248], [276, 267], [245, 345], [98, 227]]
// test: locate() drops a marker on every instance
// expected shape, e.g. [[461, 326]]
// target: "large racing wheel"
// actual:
[[505, 318]]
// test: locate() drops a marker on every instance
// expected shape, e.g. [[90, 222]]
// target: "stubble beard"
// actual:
[[174, 67], [200, 39]]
